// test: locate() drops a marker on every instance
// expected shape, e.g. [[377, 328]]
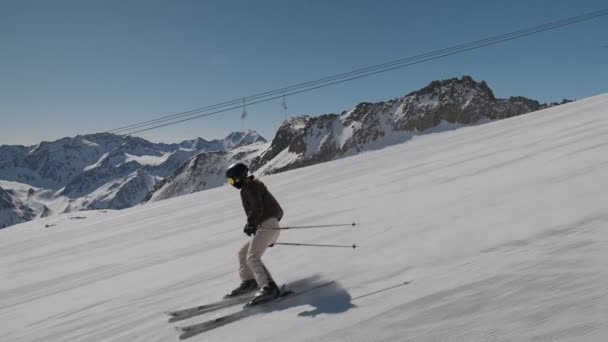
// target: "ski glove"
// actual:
[[250, 229]]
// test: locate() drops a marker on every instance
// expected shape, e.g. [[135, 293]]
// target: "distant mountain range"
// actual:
[[96, 171], [105, 171]]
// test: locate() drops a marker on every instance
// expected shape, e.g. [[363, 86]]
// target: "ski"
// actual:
[[195, 329], [183, 314]]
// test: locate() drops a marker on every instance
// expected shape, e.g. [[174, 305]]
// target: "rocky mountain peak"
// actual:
[[196, 144], [236, 139], [305, 141], [453, 85], [12, 210], [6, 201]]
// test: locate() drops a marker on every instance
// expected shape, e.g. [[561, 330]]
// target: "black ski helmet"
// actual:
[[236, 174]]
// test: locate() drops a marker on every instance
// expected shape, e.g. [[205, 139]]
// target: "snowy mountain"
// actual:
[[204, 171], [441, 105], [499, 230], [236, 139], [90, 171], [120, 193], [99, 171], [13, 210], [306, 140]]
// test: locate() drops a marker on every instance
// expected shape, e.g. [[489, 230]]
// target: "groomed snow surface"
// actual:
[[502, 229]]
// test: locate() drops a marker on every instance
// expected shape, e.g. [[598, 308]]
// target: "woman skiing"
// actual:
[[263, 216]]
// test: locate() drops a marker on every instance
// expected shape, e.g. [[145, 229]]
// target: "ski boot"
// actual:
[[245, 287], [266, 294]]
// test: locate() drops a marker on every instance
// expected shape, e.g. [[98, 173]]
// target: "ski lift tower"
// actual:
[[285, 108], [243, 115]]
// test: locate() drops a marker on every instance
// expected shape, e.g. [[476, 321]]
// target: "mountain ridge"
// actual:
[[79, 169], [161, 171], [304, 140]]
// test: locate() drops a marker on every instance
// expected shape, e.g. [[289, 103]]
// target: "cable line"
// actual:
[[299, 88], [361, 73]]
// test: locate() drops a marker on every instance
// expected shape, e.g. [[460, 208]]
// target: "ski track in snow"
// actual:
[[501, 228]]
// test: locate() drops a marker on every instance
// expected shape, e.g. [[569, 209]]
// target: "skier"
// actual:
[[263, 216]]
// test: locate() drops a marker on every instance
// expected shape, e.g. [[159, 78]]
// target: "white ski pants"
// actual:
[[250, 255]]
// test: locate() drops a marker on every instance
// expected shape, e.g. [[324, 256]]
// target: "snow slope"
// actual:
[[501, 228]]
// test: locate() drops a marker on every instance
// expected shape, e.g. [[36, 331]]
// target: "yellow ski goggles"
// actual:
[[231, 180]]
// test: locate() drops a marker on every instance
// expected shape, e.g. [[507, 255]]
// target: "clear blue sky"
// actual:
[[76, 67]]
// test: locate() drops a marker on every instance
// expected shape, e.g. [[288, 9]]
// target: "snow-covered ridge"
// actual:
[[12, 209], [447, 104], [236, 139], [98, 171], [204, 171], [87, 170], [304, 140]]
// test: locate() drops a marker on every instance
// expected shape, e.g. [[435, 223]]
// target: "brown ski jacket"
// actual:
[[258, 202]]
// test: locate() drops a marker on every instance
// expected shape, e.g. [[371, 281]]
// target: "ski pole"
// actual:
[[316, 226], [313, 245]]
